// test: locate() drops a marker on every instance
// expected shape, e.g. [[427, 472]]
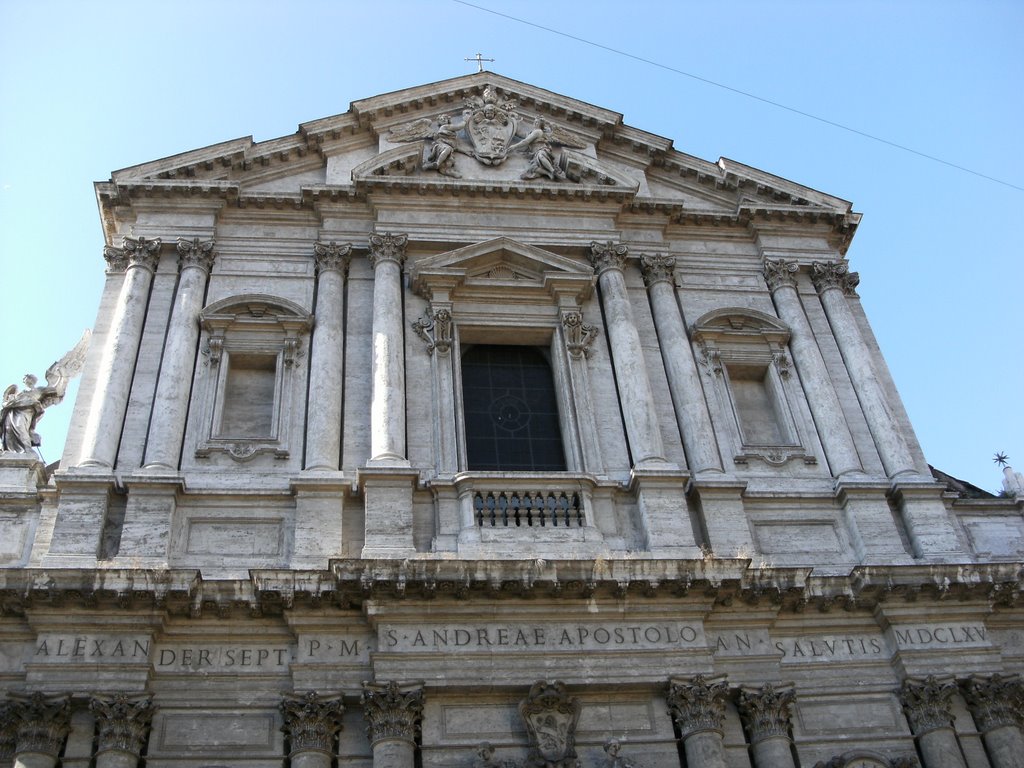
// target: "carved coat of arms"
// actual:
[[551, 715], [490, 129]]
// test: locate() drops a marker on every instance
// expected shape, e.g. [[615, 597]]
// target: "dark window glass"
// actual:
[[511, 410]]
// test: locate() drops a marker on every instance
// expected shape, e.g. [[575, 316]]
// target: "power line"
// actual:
[[741, 92]]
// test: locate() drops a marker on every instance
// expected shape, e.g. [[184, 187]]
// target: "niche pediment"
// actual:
[[502, 265]]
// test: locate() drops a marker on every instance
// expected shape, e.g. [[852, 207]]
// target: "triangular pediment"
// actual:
[[501, 261]]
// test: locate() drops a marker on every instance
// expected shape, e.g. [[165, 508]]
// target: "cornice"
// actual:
[[349, 583]]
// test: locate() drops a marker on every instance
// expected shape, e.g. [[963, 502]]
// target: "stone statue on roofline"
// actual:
[[21, 410]]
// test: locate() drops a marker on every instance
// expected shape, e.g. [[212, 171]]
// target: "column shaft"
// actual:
[[116, 759], [833, 282], [939, 749], [1005, 746], [705, 749], [642, 429], [774, 752], [326, 364], [826, 410], [117, 364], [683, 378], [310, 760], [387, 405], [170, 406]]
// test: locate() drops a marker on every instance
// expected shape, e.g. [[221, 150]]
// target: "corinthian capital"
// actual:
[[995, 701], [311, 722], [195, 253], [123, 722], [779, 273], [605, 256], [40, 722], [332, 256], [834, 274], [132, 253], [766, 711], [698, 704], [392, 710], [387, 247], [927, 704], [657, 269]]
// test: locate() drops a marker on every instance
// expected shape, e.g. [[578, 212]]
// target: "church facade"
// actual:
[[475, 427]]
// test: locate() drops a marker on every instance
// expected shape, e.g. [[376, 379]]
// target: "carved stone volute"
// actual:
[[387, 247], [123, 722], [311, 722], [332, 256], [609, 255], [551, 715], [40, 722], [698, 704], [834, 274], [579, 336], [195, 253], [392, 710], [766, 712], [995, 701], [658, 269], [435, 328], [927, 703], [780, 273]]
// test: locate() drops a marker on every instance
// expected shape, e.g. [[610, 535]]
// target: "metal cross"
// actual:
[[479, 59]]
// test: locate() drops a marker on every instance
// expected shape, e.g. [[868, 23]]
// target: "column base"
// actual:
[[870, 523], [21, 474], [723, 515], [387, 503], [319, 507], [82, 502], [928, 522], [146, 532], [664, 512]]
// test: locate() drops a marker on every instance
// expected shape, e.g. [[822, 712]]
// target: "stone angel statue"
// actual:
[[540, 142], [443, 138], [20, 411]]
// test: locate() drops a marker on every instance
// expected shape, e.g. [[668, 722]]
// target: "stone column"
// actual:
[[997, 704], [387, 406], [178, 364], [117, 364], [326, 364], [123, 722], [698, 710], [634, 387], [393, 713], [40, 724], [927, 706], [683, 379], [766, 712], [833, 431], [312, 724], [834, 284]]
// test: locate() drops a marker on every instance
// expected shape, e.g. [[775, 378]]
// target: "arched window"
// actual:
[[511, 410]]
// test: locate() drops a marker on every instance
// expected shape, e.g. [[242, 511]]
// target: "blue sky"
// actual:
[[87, 88]]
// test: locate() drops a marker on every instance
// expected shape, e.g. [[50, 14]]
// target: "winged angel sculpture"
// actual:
[[21, 411], [490, 130]]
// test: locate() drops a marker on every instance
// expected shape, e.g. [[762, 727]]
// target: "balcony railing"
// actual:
[[531, 509]]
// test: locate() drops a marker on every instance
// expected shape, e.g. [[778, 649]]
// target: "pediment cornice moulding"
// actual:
[[348, 583]]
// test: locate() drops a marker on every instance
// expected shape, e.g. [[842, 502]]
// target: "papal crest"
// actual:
[[551, 716], [490, 129]]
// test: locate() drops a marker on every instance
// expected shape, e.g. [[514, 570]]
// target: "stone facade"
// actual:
[[314, 509]]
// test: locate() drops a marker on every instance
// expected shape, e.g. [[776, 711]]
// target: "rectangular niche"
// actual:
[[249, 394]]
